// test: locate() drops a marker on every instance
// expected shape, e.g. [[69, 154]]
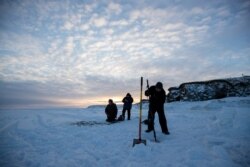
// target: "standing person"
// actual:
[[111, 111], [127, 100], [157, 97]]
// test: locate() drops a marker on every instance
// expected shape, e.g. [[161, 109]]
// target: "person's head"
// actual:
[[128, 94], [110, 101], [158, 86]]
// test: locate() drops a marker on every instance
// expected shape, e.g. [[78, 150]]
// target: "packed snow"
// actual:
[[208, 133]]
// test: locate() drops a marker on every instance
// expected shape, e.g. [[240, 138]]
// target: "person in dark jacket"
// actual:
[[111, 111], [157, 97], [127, 100]]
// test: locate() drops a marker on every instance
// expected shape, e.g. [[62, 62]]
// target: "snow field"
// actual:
[[209, 133]]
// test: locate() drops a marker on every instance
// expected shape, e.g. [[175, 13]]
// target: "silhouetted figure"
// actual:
[[111, 111], [127, 100], [157, 97]]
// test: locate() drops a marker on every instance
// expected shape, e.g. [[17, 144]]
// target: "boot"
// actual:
[[149, 130], [166, 132]]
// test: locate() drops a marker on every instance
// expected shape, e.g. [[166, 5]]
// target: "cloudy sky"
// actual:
[[75, 53]]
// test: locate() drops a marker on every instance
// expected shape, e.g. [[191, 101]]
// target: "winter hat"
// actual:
[[159, 85]]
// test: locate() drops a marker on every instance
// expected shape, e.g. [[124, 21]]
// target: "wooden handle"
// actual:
[[140, 114]]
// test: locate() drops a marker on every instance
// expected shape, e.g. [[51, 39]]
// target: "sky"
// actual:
[[65, 53]]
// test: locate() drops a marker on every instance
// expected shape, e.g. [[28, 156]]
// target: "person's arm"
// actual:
[[163, 97], [106, 110], [116, 110], [148, 92]]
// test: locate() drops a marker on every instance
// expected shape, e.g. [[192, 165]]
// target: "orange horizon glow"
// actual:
[[91, 101]]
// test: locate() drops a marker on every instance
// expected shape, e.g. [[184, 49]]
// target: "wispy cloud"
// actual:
[[114, 8], [99, 21]]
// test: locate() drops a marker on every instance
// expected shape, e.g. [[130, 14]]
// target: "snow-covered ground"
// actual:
[[209, 133]]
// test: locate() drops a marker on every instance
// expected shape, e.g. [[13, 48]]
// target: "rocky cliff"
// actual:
[[212, 89]]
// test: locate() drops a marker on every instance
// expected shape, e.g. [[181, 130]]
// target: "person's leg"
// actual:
[[129, 114], [151, 117], [162, 120], [123, 112], [108, 119]]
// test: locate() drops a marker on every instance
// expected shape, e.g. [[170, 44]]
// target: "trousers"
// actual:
[[161, 115]]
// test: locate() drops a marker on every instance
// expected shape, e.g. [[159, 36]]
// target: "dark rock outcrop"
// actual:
[[212, 89]]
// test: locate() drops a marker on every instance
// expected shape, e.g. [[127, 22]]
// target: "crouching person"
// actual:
[[111, 111]]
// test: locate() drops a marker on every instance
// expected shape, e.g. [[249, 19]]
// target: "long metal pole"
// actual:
[[140, 109]]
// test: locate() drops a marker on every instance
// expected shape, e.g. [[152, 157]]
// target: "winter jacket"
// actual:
[[128, 100], [156, 99], [111, 110]]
